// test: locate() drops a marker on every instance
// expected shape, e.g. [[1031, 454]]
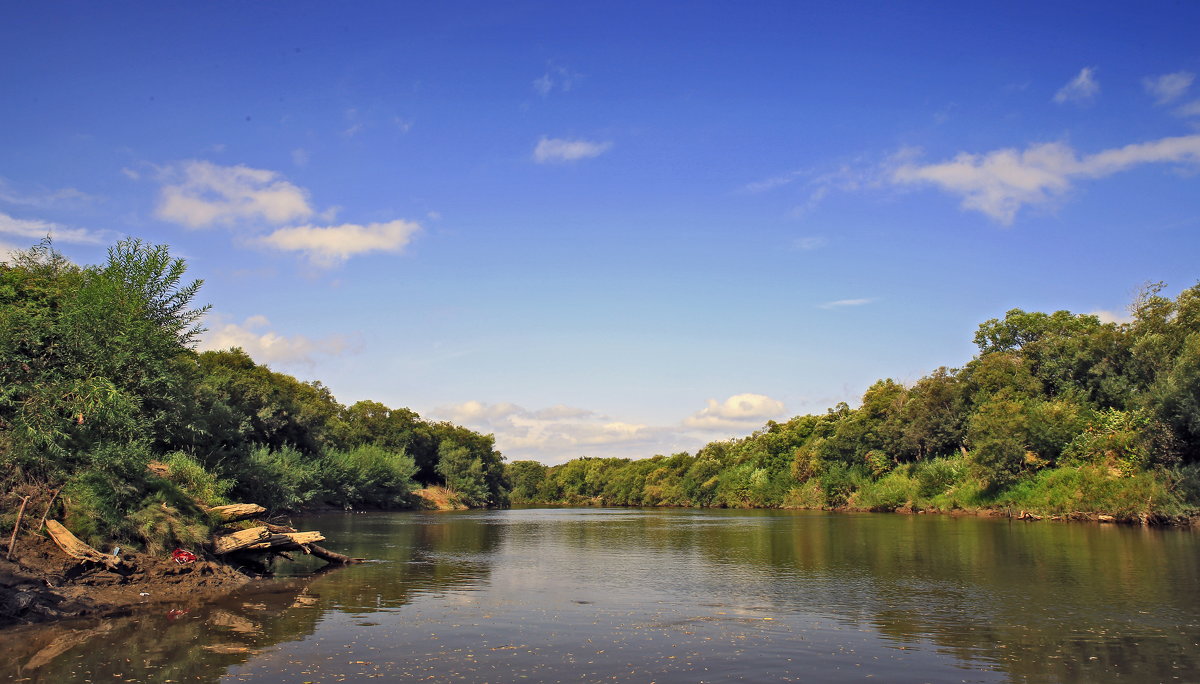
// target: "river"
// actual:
[[673, 595]]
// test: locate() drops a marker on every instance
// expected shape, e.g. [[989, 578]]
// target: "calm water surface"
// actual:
[[640, 595]]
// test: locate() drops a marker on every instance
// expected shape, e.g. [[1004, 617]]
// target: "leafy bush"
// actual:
[[194, 480], [937, 475], [1092, 489], [895, 490], [368, 475], [279, 480], [838, 482]]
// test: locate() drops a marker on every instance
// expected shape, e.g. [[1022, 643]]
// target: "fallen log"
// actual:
[[331, 557], [285, 541], [235, 541], [234, 512], [73, 547]]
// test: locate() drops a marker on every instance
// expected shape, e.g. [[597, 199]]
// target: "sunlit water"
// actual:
[[640, 595]]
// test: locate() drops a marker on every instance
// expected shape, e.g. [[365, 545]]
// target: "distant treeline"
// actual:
[[103, 398], [1058, 414]]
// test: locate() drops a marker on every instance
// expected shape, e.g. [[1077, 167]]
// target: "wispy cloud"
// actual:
[[560, 432], [1190, 109], [36, 229], [264, 345], [203, 194], [1082, 89], [843, 303], [562, 150], [772, 182], [1168, 87], [807, 244], [556, 78], [42, 199], [328, 246], [1001, 182]]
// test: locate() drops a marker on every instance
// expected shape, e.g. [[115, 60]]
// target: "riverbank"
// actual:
[[41, 583]]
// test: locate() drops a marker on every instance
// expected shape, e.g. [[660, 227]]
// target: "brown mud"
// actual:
[[41, 583]]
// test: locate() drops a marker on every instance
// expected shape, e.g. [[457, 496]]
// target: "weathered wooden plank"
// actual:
[[237, 511], [73, 547], [286, 540], [241, 539]]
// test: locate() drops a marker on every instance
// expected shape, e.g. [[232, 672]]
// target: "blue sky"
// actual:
[[606, 228]]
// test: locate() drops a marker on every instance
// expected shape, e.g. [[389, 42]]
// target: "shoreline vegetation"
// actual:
[[114, 426], [1059, 416]]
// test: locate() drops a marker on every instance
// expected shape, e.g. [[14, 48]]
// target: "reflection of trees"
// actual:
[[413, 554], [1042, 601]]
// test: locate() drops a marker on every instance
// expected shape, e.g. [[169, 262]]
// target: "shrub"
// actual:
[[194, 480], [936, 476], [838, 482], [895, 490], [1092, 489], [369, 475], [283, 479]]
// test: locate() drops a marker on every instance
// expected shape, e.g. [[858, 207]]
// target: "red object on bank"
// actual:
[[183, 557]]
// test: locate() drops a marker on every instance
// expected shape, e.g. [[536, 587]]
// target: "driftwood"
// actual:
[[285, 541], [239, 540], [331, 557], [73, 547], [238, 511], [16, 527]]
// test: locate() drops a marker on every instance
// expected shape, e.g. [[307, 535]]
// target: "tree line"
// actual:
[[105, 403], [1059, 413]]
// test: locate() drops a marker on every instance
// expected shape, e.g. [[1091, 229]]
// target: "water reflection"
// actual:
[[632, 595]]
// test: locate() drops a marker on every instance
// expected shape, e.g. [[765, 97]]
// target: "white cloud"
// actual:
[[267, 346], [1001, 182], [1168, 87], [739, 412], [208, 194], [553, 434], [6, 251], [1107, 316], [843, 303], [560, 433], [332, 245], [1082, 89], [563, 150], [36, 229]]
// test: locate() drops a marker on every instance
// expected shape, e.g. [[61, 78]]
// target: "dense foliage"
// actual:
[[1058, 413], [103, 397]]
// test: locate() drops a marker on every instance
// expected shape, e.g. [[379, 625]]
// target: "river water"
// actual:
[[673, 595]]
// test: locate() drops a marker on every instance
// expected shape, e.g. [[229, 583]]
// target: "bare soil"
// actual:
[[42, 583]]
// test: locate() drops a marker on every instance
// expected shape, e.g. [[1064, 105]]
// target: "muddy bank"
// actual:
[[41, 583]]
